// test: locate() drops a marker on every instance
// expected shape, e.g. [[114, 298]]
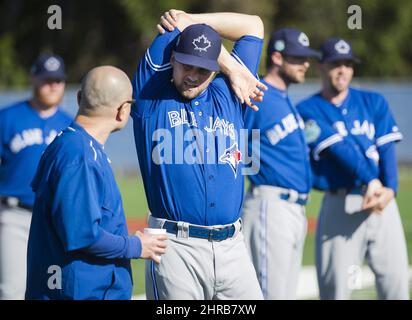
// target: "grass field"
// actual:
[[136, 207]]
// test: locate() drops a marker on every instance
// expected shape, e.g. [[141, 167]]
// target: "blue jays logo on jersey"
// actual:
[[224, 126], [30, 137], [178, 118], [364, 128], [232, 156], [281, 130]]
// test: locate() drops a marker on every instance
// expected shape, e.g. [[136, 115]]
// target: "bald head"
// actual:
[[104, 89]]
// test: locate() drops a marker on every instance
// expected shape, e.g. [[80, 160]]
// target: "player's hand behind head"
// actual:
[[246, 86], [169, 20], [153, 245]]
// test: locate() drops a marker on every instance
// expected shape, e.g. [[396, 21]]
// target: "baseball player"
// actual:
[[79, 247], [26, 128], [274, 208], [186, 127], [352, 134]]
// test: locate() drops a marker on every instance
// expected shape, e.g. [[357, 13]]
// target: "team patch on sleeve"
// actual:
[[312, 131]]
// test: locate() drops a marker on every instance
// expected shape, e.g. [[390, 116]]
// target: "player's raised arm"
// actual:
[[244, 84], [232, 26], [229, 25]]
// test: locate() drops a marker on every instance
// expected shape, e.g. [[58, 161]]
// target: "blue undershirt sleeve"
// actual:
[[111, 246], [388, 167], [345, 154]]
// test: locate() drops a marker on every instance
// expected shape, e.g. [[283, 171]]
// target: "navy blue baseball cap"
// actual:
[[199, 45], [334, 49], [291, 42], [49, 66]]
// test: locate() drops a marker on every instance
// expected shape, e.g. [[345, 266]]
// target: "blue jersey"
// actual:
[[283, 155], [24, 135], [363, 120], [189, 150], [76, 199]]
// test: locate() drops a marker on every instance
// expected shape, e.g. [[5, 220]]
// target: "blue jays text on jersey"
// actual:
[[283, 156], [77, 200], [200, 192], [24, 135], [363, 119]]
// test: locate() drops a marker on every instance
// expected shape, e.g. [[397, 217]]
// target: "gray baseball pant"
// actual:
[[344, 241], [275, 232], [14, 235], [199, 269]]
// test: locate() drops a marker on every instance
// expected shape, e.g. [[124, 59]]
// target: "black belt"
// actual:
[[13, 202], [203, 232]]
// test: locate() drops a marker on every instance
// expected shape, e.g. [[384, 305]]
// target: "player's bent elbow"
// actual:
[[258, 29]]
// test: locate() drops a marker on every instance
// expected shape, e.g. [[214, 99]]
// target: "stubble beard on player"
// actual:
[[192, 92], [291, 76], [48, 101]]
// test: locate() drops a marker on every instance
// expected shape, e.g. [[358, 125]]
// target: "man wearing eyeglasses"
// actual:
[[79, 247], [26, 129]]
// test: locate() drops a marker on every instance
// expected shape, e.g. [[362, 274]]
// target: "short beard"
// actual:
[[287, 78], [44, 104], [186, 93]]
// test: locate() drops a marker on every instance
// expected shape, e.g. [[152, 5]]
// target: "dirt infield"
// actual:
[[140, 224]]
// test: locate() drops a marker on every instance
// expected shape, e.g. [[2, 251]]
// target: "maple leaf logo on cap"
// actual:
[[52, 64], [202, 43], [303, 39], [342, 47]]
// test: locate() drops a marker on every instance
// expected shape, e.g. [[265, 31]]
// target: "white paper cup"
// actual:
[[154, 231]]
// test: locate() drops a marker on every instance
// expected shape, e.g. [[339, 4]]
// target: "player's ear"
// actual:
[[172, 58], [123, 112], [119, 114], [277, 58]]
